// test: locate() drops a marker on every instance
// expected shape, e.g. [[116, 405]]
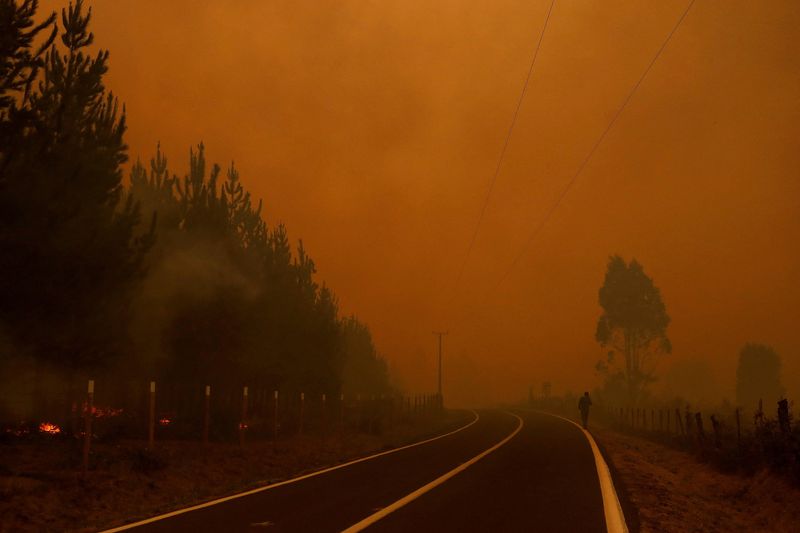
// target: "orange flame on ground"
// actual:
[[49, 428]]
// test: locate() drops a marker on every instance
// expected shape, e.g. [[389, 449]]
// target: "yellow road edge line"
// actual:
[[615, 518], [405, 500], [287, 481]]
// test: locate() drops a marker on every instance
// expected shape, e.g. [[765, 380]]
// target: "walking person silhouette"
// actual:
[[583, 405]]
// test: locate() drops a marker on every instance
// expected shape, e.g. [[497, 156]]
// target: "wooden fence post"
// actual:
[[341, 412], [275, 417], [151, 420], [243, 422], [302, 408], [87, 425], [700, 434], [738, 429], [688, 417], [324, 413], [206, 414], [717, 436]]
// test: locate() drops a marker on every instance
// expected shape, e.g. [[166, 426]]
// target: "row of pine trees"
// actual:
[[172, 277]]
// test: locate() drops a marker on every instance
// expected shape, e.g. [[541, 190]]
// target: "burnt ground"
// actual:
[[41, 488]]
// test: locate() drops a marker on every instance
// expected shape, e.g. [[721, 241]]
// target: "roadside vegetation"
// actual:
[[704, 465], [217, 357], [755, 432], [176, 279], [668, 490]]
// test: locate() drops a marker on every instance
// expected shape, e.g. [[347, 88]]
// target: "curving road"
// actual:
[[541, 478]]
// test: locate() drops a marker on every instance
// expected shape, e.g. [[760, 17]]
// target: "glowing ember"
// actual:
[[49, 428], [106, 412], [164, 421], [242, 425]]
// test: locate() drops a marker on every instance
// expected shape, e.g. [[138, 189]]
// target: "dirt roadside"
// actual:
[[41, 489], [672, 491]]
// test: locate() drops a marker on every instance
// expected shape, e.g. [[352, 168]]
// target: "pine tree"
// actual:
[[364, 371], [19, 66], [247, 303], [69, 254]]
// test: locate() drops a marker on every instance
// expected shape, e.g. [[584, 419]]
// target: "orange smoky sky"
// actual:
[[372, 129]]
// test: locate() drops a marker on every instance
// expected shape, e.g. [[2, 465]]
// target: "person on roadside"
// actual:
[[583, 406]]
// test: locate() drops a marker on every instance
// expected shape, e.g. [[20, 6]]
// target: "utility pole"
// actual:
[[440, 334]]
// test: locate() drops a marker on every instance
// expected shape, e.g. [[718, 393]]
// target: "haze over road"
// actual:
[[372, 130], [544, 478]]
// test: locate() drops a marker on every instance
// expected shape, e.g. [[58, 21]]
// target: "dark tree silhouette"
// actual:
[[219, 298], [758, 376], [68, 254], [364, 370], [633, 324], [19, 66], [249, 307]]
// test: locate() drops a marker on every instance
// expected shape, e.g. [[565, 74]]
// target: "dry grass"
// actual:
[[41, 489], [673, 492]]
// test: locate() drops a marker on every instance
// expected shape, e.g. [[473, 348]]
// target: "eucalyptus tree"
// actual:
[[633, 326]]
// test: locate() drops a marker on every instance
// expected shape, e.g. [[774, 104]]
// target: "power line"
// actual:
[[503, 151], [588, 157]]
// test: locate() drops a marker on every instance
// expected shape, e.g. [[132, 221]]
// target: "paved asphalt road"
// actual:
[[543, 479]]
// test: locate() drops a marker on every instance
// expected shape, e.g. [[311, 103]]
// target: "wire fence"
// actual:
[[103, 411], [730, 438]]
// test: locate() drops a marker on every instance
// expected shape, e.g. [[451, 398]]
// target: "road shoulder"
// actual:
[[670, 491]]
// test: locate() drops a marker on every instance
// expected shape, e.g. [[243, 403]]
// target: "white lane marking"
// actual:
[[615, 518], [287, 481], [405, 500]]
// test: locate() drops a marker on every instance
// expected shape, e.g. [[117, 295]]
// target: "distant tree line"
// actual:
[[758, 377], [175, 277], [632, 330]]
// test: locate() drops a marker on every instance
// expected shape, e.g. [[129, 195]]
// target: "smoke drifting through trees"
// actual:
[[179, 278]]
